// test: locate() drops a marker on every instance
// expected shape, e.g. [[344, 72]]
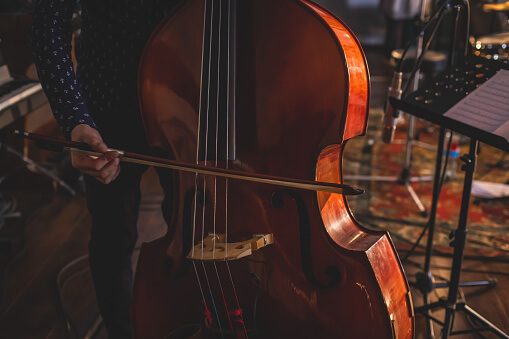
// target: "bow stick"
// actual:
[[58, 145]]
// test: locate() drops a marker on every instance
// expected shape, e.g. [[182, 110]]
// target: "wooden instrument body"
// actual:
[[301, 90]]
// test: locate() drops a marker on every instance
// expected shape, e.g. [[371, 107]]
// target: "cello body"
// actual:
[[295, 84]]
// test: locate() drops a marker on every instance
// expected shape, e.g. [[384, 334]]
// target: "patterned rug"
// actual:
[[389, 206]]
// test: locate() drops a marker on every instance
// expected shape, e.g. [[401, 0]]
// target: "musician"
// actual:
[[98, 105]]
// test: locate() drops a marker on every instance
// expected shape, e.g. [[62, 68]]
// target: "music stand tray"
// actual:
[[441, 93]]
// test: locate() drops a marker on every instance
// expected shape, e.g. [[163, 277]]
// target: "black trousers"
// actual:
[[114, 210]]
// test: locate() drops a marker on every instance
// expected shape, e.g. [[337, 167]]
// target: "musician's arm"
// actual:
[[51, 35]]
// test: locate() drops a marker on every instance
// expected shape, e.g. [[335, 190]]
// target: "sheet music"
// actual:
[[487, 107], [489, 190]]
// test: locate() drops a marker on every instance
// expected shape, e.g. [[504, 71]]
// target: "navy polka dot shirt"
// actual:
[[113, 34]]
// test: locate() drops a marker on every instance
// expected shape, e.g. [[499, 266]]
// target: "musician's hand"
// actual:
[[104, 168]]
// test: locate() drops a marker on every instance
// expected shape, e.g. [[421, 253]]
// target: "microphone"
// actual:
[[391, 115]]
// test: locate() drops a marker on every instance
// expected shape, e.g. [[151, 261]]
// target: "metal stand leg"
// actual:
[[405, 174], [425, 283], [404, 177], [458, 242], [425, 279], [38, 168]]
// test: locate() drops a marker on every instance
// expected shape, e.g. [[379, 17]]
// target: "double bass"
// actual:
[[273, 87]]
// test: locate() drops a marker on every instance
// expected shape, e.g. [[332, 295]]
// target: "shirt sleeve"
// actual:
[[51, 35]]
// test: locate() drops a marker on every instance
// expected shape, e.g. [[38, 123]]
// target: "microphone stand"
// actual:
[[404, 177]]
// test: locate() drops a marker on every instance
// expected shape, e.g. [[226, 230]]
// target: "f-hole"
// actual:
[[217, 107], [332, 272]]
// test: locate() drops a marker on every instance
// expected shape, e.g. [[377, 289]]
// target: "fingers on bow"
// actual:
[[104, 168]]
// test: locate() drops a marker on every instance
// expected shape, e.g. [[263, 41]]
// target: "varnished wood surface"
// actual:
[[310, 91], [301, 85], [56, 232]]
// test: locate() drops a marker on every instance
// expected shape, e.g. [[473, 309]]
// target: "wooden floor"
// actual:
[[53, 232], [50, 242]]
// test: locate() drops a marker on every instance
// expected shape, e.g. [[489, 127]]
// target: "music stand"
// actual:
[[430, 103]]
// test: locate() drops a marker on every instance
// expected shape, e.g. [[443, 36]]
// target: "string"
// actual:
[[197, 161], [217, 115], [203, 297], [197, 154], [224, 298], [236, 298], [218, 100], [205, 162], [227, 140], [207, 123], [212, 297]]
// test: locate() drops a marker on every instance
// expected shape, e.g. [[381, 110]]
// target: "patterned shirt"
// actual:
[[113, 33]]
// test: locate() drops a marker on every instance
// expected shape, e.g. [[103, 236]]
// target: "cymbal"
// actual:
[[496, 7]]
